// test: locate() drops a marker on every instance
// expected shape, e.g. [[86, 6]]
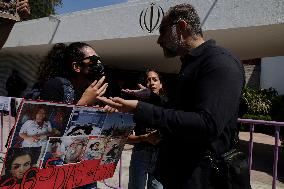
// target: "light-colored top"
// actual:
[[31, 128]]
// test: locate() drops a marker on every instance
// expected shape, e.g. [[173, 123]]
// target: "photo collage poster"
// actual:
[[49, 135], [8, 9]]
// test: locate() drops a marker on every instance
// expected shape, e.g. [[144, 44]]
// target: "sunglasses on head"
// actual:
[[96, 67]]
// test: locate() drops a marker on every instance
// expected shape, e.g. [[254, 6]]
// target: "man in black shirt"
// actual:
[[203, 115]]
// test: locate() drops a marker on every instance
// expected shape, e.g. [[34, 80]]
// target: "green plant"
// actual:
[[259, 117], [258, 102], [43, 8]]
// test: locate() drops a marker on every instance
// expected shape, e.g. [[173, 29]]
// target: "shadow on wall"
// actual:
[[252, 72]]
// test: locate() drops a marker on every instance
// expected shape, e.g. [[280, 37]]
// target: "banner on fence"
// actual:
[[63, 146]]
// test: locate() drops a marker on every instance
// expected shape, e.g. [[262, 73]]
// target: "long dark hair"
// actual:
[[12, 155], [58, 62], [162, 91]]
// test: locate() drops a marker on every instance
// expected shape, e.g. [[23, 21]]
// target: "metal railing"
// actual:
[[277, 126]]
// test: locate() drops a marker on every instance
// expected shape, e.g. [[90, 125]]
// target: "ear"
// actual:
[[76, 68], [182, 25]]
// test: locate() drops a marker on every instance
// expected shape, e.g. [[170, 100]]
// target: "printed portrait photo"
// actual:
[[118, 125], [95, 149], [74, 148], [18, 161], [37, 122], [85, 121], [55, 152], [113, 150]]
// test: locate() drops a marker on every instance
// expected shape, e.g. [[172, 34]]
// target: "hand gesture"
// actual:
[[120, 104], [96, 89], [109, 109], [153, 137], [142, 93]]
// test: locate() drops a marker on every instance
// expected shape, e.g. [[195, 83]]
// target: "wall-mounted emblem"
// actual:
[[150, 17]]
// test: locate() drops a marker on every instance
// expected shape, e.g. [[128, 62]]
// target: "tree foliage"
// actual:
[[43, 8], [258, 102]]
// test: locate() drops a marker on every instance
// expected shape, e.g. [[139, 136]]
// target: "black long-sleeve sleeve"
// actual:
[[218, 90]]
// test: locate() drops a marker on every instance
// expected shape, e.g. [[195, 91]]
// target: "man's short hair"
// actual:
[[55, 140], [188, 13]]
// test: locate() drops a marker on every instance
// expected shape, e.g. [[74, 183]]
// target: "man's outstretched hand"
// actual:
[[142, 93], [120, 104]]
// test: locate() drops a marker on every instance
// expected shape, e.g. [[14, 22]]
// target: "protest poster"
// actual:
[[63, 146], [85, 121], [8, 9]]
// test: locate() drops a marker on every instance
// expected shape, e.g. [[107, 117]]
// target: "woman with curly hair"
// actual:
[[72, 74]]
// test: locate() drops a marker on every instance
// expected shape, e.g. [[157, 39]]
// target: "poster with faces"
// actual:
[[74, 148], [64, 137], [37, 121], [8, 9], [95, 148], [54, 153], [86, 121], [117, 125], [18, 163], [113, 150]]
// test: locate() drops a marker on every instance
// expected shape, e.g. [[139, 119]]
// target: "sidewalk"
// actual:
[[262, 163]]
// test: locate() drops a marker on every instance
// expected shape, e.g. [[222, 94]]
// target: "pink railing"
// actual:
[[277, 126]]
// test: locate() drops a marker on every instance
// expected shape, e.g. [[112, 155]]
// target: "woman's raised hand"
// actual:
[[96, 89]]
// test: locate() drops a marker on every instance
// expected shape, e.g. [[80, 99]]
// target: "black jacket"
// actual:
[[203, 114]]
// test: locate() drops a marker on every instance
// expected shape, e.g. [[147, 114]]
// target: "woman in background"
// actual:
[[145, 151]]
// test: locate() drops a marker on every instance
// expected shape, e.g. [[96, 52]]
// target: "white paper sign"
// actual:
[[5, 103]]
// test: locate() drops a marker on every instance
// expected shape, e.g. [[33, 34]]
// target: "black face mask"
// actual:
[[95, 69]]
